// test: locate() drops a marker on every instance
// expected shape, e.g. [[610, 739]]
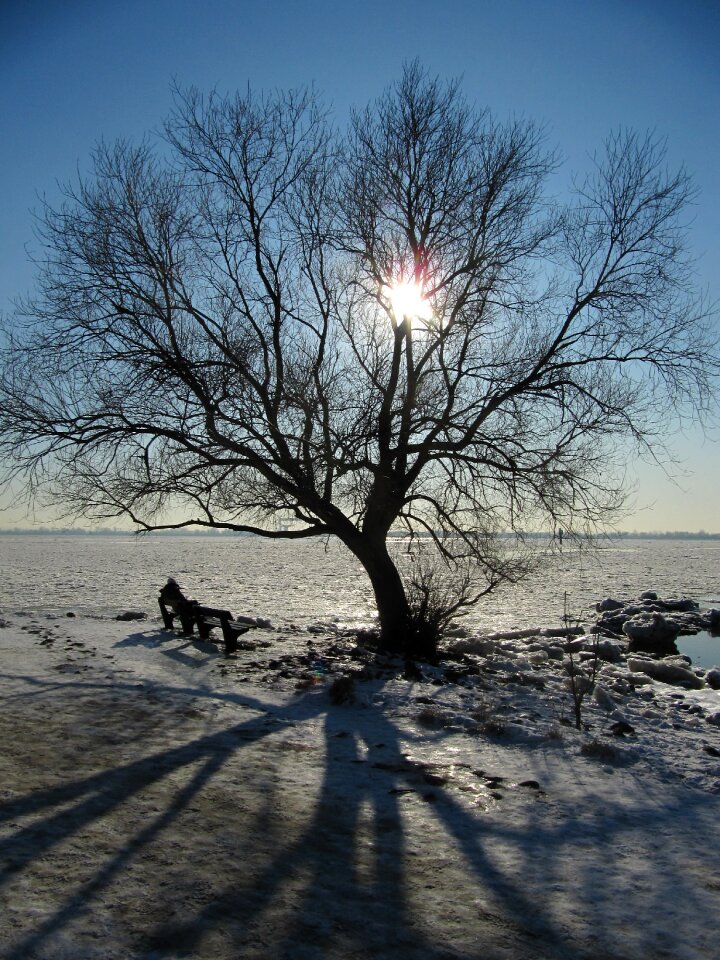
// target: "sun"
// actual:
[[407, 300]]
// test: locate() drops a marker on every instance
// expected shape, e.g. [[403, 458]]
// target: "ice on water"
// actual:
[[309, 581]]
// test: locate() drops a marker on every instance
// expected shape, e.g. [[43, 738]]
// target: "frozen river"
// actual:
[[309, 581]]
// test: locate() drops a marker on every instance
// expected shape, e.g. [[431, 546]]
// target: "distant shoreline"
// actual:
[[189, 532]]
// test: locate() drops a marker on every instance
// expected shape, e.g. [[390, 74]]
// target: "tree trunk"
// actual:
[[390, 597]]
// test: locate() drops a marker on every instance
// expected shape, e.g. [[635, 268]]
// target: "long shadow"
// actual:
[[97, 795], [630, 849], [343, 866], [349, 861], [326, 857], [353, 862]]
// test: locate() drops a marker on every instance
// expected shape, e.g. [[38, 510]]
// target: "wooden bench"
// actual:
[[192, 614]]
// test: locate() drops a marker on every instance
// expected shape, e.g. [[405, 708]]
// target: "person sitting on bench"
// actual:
[[172, 596], [173, 603]]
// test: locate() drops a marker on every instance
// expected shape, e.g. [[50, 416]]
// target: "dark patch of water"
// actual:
[[703, 648]]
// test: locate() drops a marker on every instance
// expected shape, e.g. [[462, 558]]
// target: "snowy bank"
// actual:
[[308, 798]]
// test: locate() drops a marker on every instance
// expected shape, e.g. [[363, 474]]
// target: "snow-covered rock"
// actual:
[[523, 664], [132, 615], [672, 672], [607, 650], [266, 624], [482, 646], [538, 657], [602, 697], [639, 679], [654, 633], [562, 631], [612, 621], [555, 653], [682, 604], [575, 646], [579, 682], [609, 603]]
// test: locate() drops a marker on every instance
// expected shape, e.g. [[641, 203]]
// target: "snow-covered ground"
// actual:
[[158, 800]]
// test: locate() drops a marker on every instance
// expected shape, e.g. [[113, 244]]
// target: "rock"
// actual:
[[607, 650], [602, 698], [713, 616], [575, 646], [632, 609], [435, 779], [506, 666], [714, 719], [612, 622], [653, 633], [522, 664], [580, 683], [651, 714], [609, 604], [573, 668], [267, 625], [671, 672], [609, 670], [683, 604], [712, 678], [621, 727], [478, 645], [556, 653], [342, 690], [515, 634], [598, 750], [132, 615], [640, 679], [537, 657], [649, 595]]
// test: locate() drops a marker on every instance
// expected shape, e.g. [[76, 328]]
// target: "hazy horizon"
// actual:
[[190, 531]]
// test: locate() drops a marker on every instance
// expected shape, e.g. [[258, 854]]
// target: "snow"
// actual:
[[159, 800]]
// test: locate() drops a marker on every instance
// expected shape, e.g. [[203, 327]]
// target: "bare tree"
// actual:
[[394, 327]]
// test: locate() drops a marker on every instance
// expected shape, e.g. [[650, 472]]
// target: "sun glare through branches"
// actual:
[[407, 300]]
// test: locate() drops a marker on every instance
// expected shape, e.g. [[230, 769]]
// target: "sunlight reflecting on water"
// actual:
[[302, 582]]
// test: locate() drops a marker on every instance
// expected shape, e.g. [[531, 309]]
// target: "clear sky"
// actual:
[[75, 71]]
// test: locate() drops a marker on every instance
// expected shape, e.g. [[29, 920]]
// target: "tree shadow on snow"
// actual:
[[343, 884]]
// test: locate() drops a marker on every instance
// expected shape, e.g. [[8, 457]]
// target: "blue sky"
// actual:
[[76, 71]]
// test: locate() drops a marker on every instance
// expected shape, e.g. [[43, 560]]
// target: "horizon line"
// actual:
[[189, 531]]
